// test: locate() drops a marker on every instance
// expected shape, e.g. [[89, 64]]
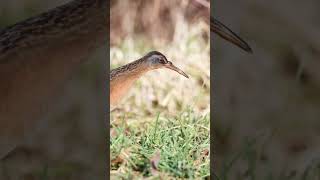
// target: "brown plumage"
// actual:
[[122, 78], [37, 56]]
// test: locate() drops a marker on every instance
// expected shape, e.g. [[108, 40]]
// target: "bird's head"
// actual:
[[157, 60]]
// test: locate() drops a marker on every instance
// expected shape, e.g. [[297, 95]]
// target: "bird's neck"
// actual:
[[134, 69], [122, 79]]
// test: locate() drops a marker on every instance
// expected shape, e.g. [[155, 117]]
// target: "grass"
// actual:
[[179, 145]]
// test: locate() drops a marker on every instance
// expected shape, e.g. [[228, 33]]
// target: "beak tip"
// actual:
[[184, 74], [249, 50]]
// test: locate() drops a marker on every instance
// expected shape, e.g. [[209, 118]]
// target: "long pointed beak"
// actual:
[[169, 65], [224, 32]]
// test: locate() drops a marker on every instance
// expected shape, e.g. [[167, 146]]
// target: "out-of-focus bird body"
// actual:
[[37, 56]]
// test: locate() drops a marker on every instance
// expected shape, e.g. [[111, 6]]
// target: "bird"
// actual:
[[37, 57], [226, 33], [123, 77]]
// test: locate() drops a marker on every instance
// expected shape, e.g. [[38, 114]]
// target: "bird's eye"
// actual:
[[162, 61]]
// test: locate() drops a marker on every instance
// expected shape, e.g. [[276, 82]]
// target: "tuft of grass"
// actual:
[[183, 142]]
